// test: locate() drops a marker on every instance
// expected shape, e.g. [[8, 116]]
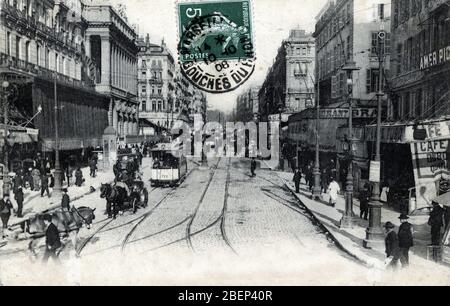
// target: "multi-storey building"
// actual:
[[42, 51], [347, 31], [111, 43], [247, 105], [415, 138], [156, 77], [289, 85]]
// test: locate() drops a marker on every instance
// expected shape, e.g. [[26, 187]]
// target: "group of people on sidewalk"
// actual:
[[399, 243]]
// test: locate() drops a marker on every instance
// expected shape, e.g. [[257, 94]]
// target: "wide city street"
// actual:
[[220, 226]]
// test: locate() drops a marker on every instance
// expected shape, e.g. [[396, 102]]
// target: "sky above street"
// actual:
[[272, 20]]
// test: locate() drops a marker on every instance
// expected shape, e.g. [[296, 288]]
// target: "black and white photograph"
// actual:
[[225, 143]]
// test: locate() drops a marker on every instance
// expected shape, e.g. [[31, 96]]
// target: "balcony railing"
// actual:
[[10, 62]]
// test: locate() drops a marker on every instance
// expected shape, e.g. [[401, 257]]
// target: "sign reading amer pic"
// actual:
[[216, 44]]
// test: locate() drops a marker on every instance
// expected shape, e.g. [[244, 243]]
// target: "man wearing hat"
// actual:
[[19, 197], [65, 201], [405, 239], [436, 222], [5, 212], [391, 242]]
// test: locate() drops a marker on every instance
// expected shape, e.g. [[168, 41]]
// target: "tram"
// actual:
[[167, 169]]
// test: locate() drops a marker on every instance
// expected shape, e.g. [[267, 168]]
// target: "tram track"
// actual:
[[221, 220], [140, 220]]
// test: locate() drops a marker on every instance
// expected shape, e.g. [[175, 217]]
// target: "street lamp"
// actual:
[[281, 161], [6, 182], [349, 215], [58, 173], [374, 234], [317, 190]]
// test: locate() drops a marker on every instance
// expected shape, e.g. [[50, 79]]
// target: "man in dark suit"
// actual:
[[52, 240], [65, 201], [436, 222], [253, 167], [391, 242], [405, 239], [44, 185], [297, 180], [364, 198]]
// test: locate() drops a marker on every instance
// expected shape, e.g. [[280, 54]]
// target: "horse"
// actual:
[[115, 198], [67, 222]]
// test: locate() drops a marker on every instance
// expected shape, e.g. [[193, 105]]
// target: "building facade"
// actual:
[[111, 44], [289, 85], [42, 51], [247, 105], [156, 79], [347, 31], [416, 134]]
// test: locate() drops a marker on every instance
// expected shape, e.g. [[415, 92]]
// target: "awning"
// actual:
[[19, 135], [443, 199]]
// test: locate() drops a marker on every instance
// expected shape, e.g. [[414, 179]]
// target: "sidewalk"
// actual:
[[34, 203], [351, 240]]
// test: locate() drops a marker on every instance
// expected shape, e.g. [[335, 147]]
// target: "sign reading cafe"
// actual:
[[435, 58]]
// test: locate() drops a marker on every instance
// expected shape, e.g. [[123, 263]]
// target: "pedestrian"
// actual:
[[79, 180], [44, 186], [333, 191], [447, 217], [52, 240], [19, 197], [18, 181], [364, 198], [297, 180], [436, 221], [93, 167], [405, 239], [324, 180], [253, 167], [65, 201], [68, 175], [391, 243], [28, 178], [5, 212], [116, 169], [36, 179]]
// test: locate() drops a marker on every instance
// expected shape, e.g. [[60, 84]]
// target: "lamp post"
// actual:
[[6, 182], [348, 217], [374, 234], [281, 161], [317, 191], [58, 173]]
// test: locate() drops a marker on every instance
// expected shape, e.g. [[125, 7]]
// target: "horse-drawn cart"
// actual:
[[121, 197]]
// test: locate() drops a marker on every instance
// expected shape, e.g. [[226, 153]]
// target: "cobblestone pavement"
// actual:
[[221, 226]]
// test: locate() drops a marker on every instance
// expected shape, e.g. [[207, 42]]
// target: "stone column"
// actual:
[[87, 45], [115, 115], [106, 61]]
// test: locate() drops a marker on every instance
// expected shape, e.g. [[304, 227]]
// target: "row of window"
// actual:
[[156, 106], [405, 9], [154, 90], [154, 63], [333, 60], [430, 39], [337, 23], [155, 75], [23, 50]]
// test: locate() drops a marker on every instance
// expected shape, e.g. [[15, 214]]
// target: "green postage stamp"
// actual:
[[216, 43], [221, 30]]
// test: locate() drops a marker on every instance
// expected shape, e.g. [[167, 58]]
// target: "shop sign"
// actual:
[[375, 172], [390, 134], [435, 58], [343, 113]]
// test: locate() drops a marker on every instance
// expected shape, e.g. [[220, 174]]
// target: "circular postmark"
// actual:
[[216, 54]]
